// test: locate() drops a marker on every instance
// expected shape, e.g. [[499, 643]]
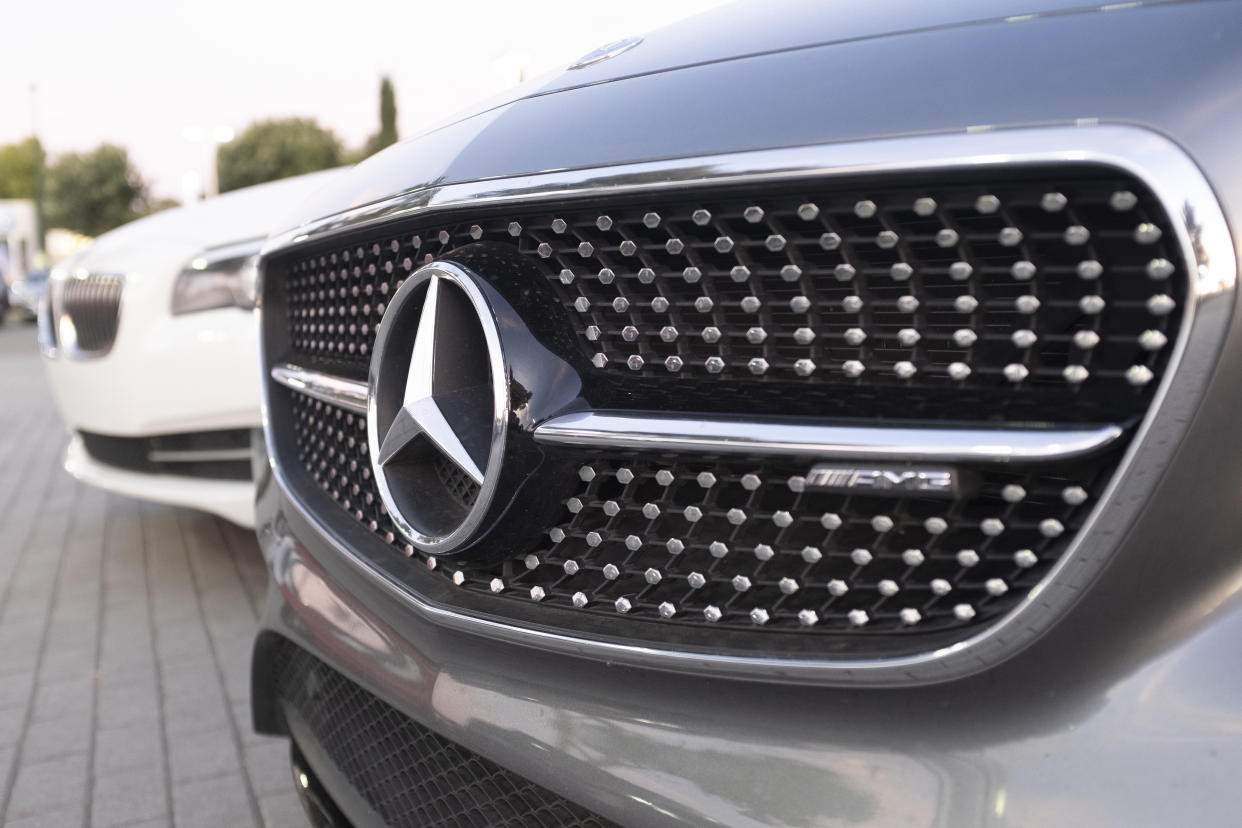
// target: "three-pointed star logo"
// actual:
[[447, 399]]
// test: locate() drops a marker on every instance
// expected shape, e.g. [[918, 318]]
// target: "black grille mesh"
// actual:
[[93, 305], [410, 775], [681, 533], [456, 482], [1050, 294], [764, 553]]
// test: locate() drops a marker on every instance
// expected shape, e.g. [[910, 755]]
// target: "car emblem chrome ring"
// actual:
[[437, 408]]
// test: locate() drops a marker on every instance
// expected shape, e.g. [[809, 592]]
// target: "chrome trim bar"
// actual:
[[647, 431], [198, 455], [643, 431], [348, 394]]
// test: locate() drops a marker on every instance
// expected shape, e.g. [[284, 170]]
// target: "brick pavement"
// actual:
[[125, 633]]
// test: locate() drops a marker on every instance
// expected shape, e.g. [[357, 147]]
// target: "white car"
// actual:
[[151, 350]]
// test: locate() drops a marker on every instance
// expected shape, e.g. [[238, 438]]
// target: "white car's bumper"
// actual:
[[164, 374]]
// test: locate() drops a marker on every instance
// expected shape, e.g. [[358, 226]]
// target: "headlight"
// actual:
[[222, 277]]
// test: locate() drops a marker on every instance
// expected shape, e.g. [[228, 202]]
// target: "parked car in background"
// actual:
[[27, 293], [19, 225], [151, 350], [812, 414]]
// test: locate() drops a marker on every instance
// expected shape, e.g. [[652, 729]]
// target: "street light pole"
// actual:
[[40, 242]]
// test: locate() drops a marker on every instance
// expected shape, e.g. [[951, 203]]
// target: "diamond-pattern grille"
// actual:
[[410, 775], [736, 543], [677, 540], [1065, 289], [1046, 295]]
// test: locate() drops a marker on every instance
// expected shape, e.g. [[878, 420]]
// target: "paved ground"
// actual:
[[125, 632]]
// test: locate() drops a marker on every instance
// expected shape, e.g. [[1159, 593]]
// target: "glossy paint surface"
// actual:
[[1128, 711], [1112, 66]]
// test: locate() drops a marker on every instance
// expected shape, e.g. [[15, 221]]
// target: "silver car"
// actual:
[[800, 416]]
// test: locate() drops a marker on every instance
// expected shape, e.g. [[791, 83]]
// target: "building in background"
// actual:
[[19, 242]]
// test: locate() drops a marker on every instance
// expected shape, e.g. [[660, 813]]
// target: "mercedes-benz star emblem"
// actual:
[[608, 50], [437, 408]]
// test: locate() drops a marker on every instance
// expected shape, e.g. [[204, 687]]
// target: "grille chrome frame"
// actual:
[[1202, 238], [662, 433]]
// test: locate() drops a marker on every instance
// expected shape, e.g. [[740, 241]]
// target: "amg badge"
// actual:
[[893, 481]]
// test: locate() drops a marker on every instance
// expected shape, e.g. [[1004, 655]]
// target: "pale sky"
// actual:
[[138, 72]]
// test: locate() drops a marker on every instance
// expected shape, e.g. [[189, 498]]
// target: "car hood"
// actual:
[[729, 80], [747, 29]]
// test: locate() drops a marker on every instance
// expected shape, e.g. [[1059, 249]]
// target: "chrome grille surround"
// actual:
[[86, 311], [1201, 237]]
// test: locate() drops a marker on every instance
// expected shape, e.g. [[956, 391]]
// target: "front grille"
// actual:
[[408, 774], [92, 305], [1046, 296], [1028, 298], [741, 544], [210, 455]]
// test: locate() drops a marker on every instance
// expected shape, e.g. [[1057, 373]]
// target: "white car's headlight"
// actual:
[[222, 277]]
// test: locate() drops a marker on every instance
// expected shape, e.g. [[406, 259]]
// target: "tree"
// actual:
[[387, 135], [94, 192], [270, 150], [21, 165], [158, 205]]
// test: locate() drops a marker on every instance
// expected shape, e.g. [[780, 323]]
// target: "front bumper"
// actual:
[[164, 374], [232, 500], [1125, 712], [1107, 720]]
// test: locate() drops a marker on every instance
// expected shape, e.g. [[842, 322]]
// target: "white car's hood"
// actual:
[[239, 216]]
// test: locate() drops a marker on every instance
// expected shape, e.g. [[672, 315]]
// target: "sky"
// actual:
[[139, 72]]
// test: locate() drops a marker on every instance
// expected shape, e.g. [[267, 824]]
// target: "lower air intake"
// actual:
[[208, 455], [409, 775]]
